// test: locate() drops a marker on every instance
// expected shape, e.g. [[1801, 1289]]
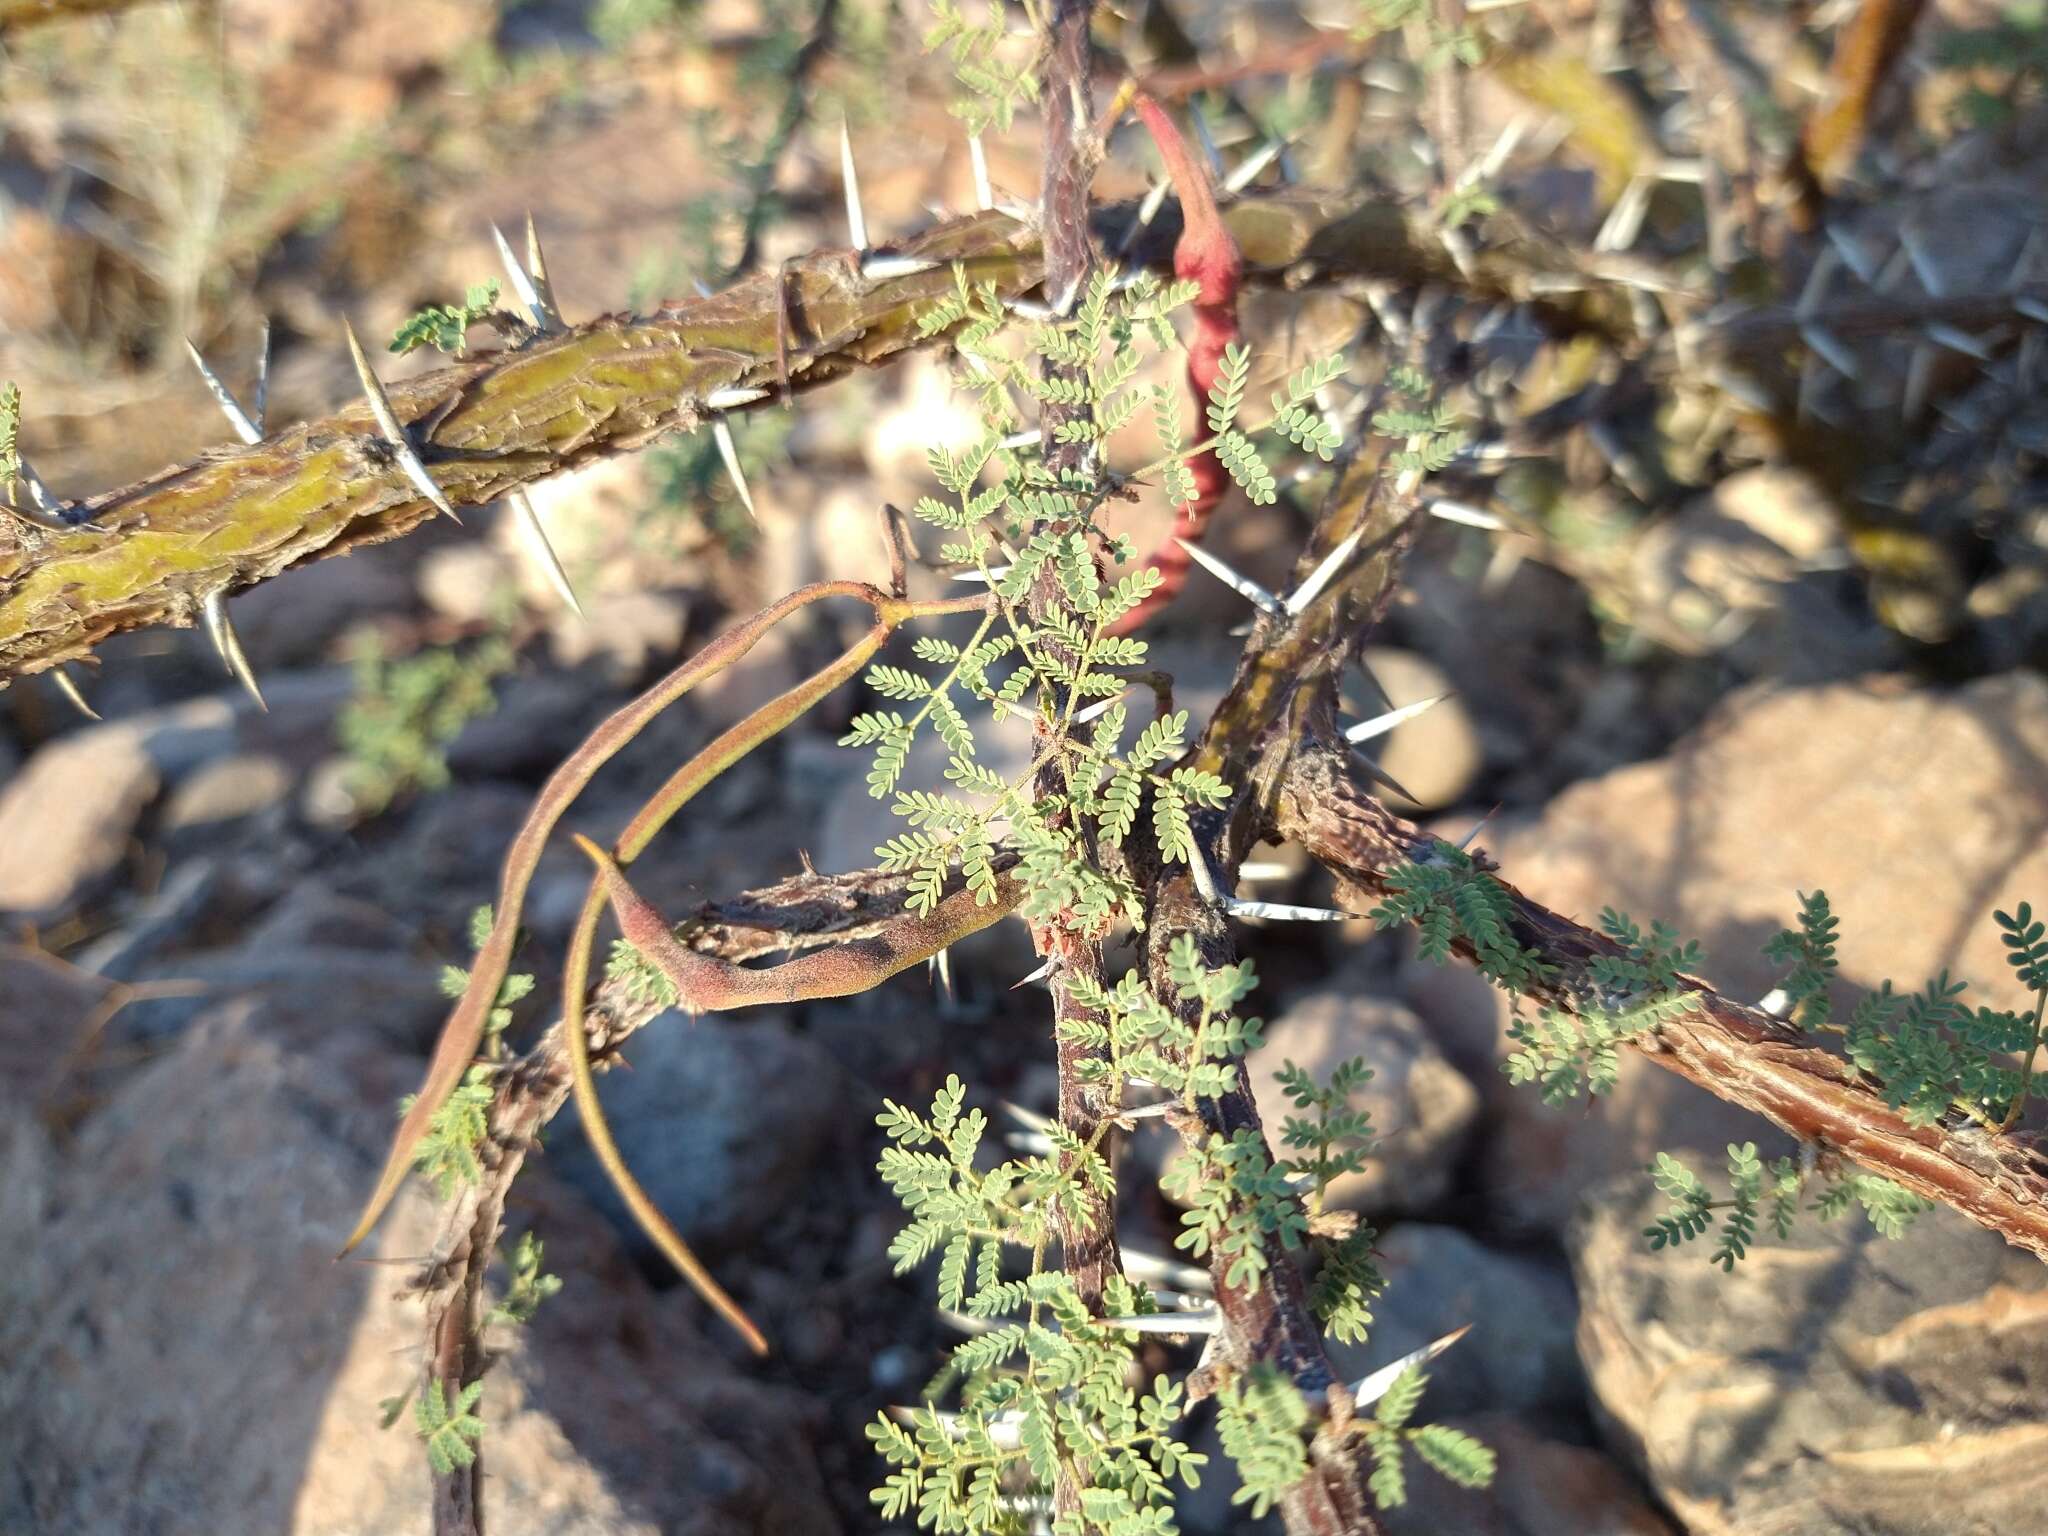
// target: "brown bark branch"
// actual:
[[1734, 1052], [151, 552]]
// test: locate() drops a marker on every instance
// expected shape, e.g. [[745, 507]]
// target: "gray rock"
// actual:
[[202, 1364], [227, 790], [67, 818], [538, 720], [50, 1013], [1519, 1357], [173, 911], [1835, 1382], [1422, 1107], [720, 1120]]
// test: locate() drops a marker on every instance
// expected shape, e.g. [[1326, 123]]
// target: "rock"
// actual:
[[639, 629], [823, 530], [538, 720], [1436, 755], [1917, 812], [1521, 653], [1519, 1357], [1756, 570], [465, 583], [926, 411], [302, 620], [1833, 1382], [770, 668], [1542, 1487], [236, 1165], [187, 898], [66, 819], [49, 1012], [227, 790], [719, 1119], [1421, 1106]]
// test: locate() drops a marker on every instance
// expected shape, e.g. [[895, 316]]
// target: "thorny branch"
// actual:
[[153, 552], [1736, 1053]]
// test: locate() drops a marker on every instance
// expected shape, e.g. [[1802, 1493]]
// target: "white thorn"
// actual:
[[965, 1322], [259, 398], [1853, 255], [1465, 513], [1205, 1321], [1379, 725], [522, 280], [68, 686], [1031, 1119], [39, 491], [1148, 210], [1370, 1389], [2023, 263], [523, 508], [1625, 220], [1204, 878], [239, 419], [1459, 249], [213, 608], [393, 430], [1386, 780], [1817, 283], [1257, 870], [1029, 439], [1777, 1003], [984, 195], [1152, 1269], [1244, 586], [1324, 573], [856, 218], [880, 269], [942, 963], [1148, 1111], [1040, 974], [1924, 266], [729, 454], [730, 399], [2033, 309], [1205, 138], [1281, 912], [1100, 708], [1030, 309], [1252, 164], [1811, 374], [1957, 341], [995, 573], [1895, 268], [1478, 826], [1919, 379], [537, 264]]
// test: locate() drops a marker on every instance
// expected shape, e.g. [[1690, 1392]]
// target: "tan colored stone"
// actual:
[[66, 818], [1833, 1382]]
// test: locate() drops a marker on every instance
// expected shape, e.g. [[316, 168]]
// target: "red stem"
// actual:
[[1208, 255]]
